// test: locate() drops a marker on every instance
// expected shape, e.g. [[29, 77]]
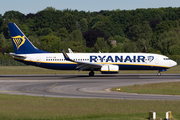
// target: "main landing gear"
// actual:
[[159, 73], [91, 73]]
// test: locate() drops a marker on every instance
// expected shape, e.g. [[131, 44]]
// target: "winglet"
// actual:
[[70, 51], [65, 55]]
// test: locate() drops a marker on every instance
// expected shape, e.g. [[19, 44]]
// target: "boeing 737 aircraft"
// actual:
[[107, 63]]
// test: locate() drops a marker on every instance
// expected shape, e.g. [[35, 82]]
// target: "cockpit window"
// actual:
[[166, 59]]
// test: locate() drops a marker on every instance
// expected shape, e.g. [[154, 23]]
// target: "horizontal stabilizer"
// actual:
[[16, 55]]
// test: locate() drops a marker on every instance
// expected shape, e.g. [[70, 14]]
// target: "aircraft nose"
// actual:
[[173, 63]]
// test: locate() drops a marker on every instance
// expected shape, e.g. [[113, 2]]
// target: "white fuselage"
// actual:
[[125, 61]]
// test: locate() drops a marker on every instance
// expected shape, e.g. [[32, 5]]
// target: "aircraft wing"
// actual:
[[86, 65], [82, 65], [16, 55]]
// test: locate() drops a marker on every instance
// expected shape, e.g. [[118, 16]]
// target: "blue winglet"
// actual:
[[65, 55]]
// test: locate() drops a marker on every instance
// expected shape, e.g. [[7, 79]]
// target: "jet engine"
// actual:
[[110, 69]]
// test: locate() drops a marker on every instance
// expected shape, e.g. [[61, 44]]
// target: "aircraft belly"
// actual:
[[59, 66]]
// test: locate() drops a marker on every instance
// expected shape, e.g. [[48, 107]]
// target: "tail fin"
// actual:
[[21, 43]]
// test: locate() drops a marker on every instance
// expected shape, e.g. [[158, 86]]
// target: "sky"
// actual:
[[33, 6]]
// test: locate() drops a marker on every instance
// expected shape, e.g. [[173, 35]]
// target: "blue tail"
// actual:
[[21, 43]]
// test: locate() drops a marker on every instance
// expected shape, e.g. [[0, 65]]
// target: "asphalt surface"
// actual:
[[83, 86]]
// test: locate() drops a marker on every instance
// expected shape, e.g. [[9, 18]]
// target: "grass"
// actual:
[[167, 88], [38, 70], [14, 107]]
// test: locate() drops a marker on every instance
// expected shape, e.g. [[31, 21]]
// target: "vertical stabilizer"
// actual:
[[21, 43]]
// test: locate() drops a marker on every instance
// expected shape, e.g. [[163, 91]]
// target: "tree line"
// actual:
[[141, 30]]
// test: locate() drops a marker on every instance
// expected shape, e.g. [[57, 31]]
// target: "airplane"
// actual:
[[106, 63]]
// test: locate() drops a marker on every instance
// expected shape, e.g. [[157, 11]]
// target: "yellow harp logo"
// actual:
[[19, 41]]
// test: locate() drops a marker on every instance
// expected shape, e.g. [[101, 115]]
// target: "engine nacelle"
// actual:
[[110, 69]]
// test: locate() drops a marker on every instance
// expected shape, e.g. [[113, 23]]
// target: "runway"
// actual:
[[83, 86]]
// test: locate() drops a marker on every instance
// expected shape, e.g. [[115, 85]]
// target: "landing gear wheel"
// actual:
[[159, 74], [91, 73]]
